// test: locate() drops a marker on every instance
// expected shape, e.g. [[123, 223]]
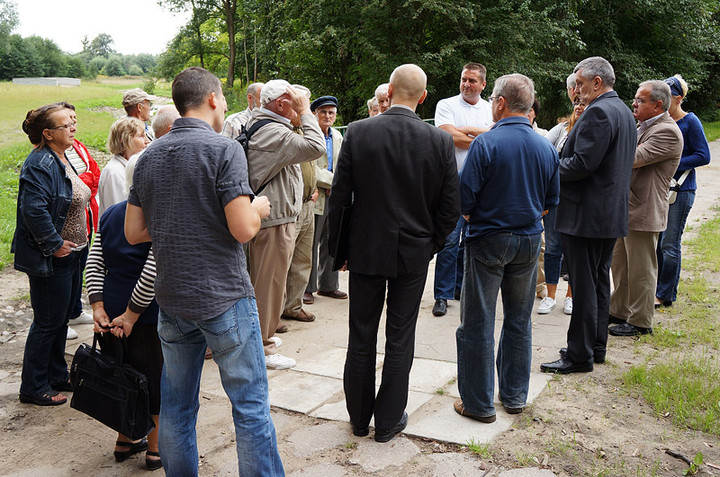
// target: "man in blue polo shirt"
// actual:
[[509, 180]]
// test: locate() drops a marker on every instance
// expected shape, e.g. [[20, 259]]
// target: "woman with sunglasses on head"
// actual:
[[696, 153], [50, 244]]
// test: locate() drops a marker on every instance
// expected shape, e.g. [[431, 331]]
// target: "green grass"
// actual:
[[94, 122], [481, 450], [685, 386], [712, 130]]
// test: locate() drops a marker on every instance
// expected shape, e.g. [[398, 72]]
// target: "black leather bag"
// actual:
[[109, 391]]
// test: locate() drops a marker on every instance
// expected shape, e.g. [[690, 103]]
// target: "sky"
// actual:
[[136, 26]]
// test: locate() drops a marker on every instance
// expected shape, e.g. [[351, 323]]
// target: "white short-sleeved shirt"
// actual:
[[459, 113]]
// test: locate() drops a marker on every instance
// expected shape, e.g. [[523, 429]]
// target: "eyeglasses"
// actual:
[[326, 112], [69, 125], [493, 98]]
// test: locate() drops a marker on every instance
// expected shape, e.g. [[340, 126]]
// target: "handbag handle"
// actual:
[[120, 351]]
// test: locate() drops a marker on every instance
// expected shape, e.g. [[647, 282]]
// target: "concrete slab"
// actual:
[[430, 375], [527, 472], [538, 382], [337, 411], [456, 465], [302, 392], [438, 420], [373, 456], [324, 470], [315, 439]]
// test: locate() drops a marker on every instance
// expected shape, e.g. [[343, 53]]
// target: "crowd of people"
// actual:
[[198, 241]]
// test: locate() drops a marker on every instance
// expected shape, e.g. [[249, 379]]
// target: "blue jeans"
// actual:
[[234, 338], [448, 264], [669, 252], [502, 262], [52, 300], [553, 248]]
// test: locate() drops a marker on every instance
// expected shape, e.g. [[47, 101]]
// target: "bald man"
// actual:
[[391, 238]]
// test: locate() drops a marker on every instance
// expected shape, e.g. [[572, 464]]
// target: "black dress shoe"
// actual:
[[626, 329], [598, 358], [440, 307], [665, 304], [614, 320], [565, 366], [386, 435]]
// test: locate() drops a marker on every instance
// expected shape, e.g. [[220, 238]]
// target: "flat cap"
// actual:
[[323, 101], [135, 96]]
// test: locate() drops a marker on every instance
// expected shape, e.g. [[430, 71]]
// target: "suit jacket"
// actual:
[[325, 177], [400, 175], [595, 167], [658, 153]]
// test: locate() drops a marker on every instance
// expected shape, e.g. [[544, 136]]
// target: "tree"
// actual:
[[114, 66], [101, 45]]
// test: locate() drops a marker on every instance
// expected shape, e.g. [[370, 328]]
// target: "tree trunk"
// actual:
[[229, 8], [247, 67]]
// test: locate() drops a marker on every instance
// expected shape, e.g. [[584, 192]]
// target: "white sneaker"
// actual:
[[546, 305], [83, 318], [276, 340], [278, 361], [71, 334], [567, 306]]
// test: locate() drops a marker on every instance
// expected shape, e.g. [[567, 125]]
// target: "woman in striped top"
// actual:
[[120, 280]]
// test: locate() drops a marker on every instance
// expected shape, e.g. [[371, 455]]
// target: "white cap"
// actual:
[[272, 90]]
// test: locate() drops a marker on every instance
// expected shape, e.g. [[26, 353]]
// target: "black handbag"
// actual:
[[112, 392]]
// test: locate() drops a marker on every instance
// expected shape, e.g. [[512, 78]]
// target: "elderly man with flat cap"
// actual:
[[275, 152], [138, 104], [323, 279]]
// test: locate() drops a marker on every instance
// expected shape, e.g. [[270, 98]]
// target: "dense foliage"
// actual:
[[348, 47]]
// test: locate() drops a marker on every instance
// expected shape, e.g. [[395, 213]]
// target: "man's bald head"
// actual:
[[407, 85]]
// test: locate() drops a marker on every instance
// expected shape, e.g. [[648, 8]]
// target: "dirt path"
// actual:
[[580, 425]]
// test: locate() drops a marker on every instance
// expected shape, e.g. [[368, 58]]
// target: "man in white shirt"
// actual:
[[465, 116]]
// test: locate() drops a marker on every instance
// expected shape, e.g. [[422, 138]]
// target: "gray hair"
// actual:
[[518, 90], [659, 91], [597, 66], [254, 89], [382, 89], [164, 119], [570, 81], [372, 102]]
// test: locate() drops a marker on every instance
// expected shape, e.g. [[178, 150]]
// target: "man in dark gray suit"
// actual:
[[595, 168], [400, 176]]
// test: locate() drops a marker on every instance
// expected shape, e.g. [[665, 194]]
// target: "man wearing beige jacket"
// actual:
[[634, 263], [274, 154]]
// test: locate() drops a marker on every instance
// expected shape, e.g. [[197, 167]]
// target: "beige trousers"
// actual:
[[301, 263], [634, 271], [269, 254], [541, 288]]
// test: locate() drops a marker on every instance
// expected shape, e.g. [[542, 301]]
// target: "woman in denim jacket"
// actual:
[[50, 243]]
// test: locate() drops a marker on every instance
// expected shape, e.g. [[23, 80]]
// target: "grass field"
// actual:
[[92, 101]]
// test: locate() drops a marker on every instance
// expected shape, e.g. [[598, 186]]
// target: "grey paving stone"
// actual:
[[310, 440], [337, 411], [430, 375], [456, 465], [302, 392], [324, 470], [373, 456]]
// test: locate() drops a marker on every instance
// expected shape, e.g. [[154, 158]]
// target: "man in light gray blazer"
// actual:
[[634, 264]]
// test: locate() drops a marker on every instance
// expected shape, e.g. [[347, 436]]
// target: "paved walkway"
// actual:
[[314, 389]]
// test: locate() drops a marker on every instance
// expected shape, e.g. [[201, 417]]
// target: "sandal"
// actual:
[[133, 448], [153, 464], [45, 399]]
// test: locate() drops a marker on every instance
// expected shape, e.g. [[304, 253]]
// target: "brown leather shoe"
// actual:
[[281, 329], [340, 295], [308, 298], [302, 316], [460, 409]]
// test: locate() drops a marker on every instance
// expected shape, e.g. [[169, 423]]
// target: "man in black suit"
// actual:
[[400, 176], [595, 168]]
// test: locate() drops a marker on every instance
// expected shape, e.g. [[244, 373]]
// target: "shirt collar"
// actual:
[[274, 115]]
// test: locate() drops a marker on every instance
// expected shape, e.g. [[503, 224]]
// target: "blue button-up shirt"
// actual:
[[329, 147], [510, 177]]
